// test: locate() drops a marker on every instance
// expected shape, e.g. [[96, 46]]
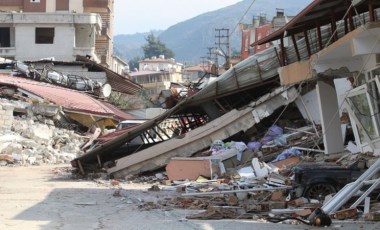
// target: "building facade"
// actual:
[[259, 29], [152, 81], [161, 64], [61, 29]]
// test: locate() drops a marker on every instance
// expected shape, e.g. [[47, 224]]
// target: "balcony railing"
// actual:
[[7, 52]]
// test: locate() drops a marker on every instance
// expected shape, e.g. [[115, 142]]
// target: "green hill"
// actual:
[[189, 39]]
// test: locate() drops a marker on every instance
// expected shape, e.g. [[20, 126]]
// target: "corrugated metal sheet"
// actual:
[[69, 99]]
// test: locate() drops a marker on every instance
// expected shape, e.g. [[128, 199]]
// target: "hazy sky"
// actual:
[[136, 16]]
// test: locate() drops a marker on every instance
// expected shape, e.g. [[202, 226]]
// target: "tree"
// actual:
[[134, 63], [155, 47]]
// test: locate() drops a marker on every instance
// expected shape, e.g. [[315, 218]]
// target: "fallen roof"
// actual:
[[195, 140], [319, 12], [251, 73], [69, 99]]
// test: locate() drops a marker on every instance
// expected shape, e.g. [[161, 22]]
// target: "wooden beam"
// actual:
[[307, 43], [282, 52], [333, 25], [351, 20], [371, 11], [296, 47], [345, 26], [278, 57], [319, 36]]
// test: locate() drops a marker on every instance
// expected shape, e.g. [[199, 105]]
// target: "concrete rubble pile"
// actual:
[[268, 191], [32, 140]]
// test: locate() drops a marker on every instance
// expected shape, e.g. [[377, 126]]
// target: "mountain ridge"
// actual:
[[190, 39]]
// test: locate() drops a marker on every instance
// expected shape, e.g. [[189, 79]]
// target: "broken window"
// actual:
[[44, 35], [365, 101]]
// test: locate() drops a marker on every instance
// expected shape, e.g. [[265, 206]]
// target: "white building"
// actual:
[[161, 64], [33, 30]]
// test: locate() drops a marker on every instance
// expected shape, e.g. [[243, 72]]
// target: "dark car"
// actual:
[[316, 180]]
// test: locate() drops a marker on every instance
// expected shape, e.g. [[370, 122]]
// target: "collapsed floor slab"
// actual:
[[221, 128]]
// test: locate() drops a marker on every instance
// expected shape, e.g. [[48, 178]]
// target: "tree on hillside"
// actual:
[[155, 47], [134, 63]]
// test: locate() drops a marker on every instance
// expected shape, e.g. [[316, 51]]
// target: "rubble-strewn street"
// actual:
[[284, 135], [47, 197]]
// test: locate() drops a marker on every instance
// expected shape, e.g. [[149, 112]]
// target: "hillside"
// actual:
[[189, 39], [128, 46]]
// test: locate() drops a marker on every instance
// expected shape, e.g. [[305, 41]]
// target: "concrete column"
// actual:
[[331, 126]]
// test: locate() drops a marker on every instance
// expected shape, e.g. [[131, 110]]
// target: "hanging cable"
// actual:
[[241, 18]]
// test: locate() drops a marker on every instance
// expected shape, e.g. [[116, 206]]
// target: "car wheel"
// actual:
[[319, 191]]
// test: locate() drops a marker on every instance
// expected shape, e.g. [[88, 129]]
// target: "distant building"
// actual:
[[119, 66], [259, 29], [152, 81], [157, 73], [194, 73], [61, 29]]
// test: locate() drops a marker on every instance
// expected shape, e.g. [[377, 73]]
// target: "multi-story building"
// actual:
[[259, 29], [152, 81], [104, 42], [157, 74], [34, 29]]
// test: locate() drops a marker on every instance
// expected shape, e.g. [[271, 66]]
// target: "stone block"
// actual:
[[346, 214]]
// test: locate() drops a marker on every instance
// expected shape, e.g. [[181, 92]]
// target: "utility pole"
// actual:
[[223, 43]]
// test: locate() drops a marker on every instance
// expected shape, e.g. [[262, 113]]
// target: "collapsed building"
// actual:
[[326, 79], [323, 88]]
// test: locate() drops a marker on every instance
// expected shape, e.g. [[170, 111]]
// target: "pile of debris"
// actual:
[[292, 188], [34, 140]]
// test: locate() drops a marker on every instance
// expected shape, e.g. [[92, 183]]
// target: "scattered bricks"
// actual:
[[276, 196], [303, 213], [6, 157], [349, 213], [297, 202], [372, 216]]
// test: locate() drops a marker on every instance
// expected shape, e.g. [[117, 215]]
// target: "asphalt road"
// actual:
[[45, 197]]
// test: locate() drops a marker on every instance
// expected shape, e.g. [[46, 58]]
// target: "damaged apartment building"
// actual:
[[67, 44]]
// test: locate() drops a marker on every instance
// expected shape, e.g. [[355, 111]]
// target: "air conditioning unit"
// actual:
[[35, 1]]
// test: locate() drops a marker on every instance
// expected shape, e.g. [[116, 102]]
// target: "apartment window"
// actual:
[[5, 40], [62, 5], [44, 35]]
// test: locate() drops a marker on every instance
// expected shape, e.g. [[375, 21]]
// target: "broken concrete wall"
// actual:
[[6, 114], [26, 141]]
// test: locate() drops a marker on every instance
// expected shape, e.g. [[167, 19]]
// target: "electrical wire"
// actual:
[[241, 18]]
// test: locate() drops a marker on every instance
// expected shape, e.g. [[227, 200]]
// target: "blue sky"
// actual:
[[137, 16]]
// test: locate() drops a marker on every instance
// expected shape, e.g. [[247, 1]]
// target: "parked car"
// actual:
[[316, 180]]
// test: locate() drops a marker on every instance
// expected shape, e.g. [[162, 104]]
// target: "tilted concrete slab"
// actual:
[[198, 139]]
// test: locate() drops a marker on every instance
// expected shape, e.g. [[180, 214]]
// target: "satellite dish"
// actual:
[[106, 90]]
